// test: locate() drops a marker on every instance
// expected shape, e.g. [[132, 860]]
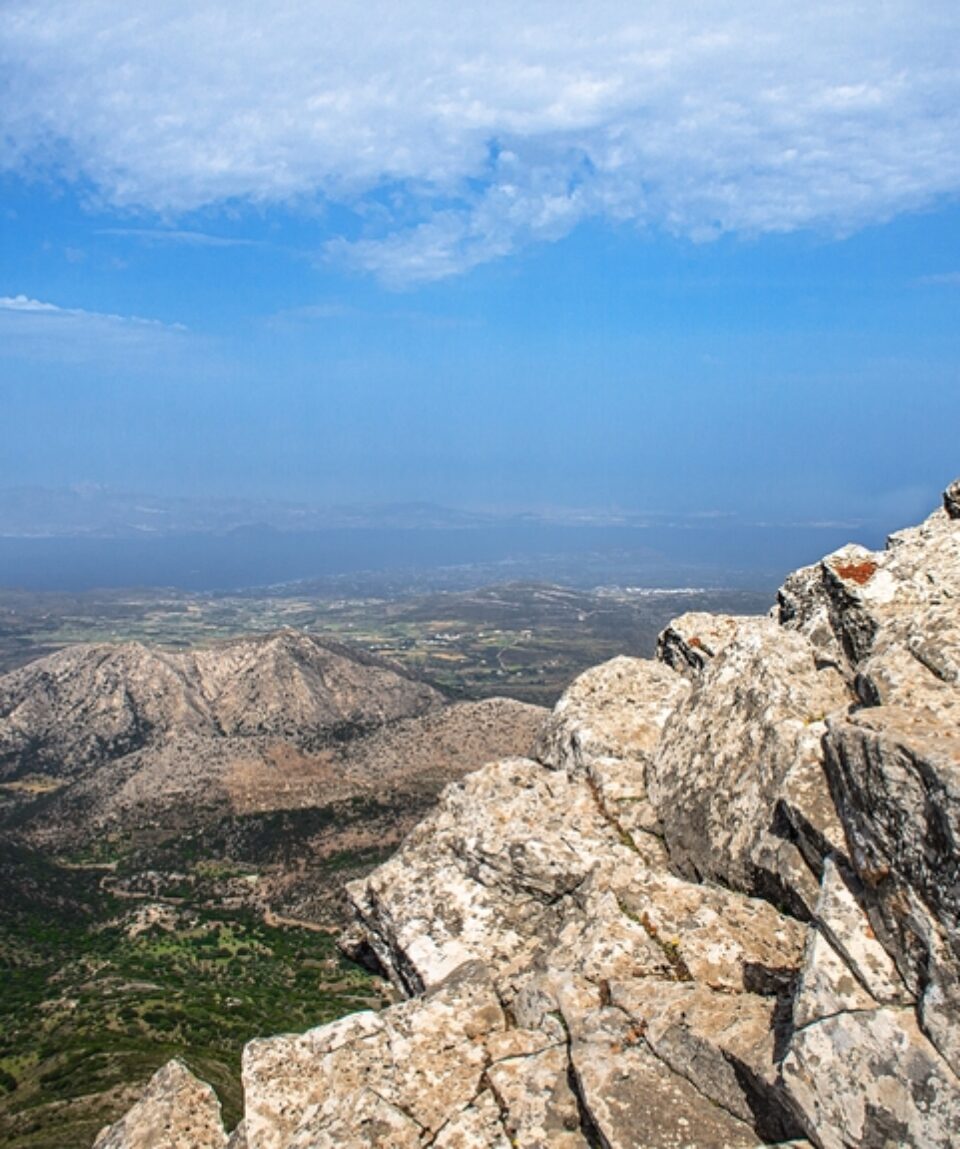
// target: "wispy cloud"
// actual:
[[24, 305], [333, 310], [945, 279], [38, 331], [185, 238], [458, 139]]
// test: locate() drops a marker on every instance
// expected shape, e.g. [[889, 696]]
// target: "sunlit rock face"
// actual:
[[176, 1111], [718, 907]]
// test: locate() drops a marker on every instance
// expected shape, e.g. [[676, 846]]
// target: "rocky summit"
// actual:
[[719, 907]]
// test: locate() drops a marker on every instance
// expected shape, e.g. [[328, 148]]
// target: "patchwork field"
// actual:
[[521, 640]]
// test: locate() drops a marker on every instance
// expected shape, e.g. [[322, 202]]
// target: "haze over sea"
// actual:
[[750, 557], [697, 257]]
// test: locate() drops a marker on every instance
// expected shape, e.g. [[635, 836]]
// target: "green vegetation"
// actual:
[[99, 991]]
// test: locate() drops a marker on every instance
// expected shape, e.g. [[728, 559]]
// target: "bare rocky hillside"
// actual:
[[108, 739], [277, 751], [90, 704], [716, 908]]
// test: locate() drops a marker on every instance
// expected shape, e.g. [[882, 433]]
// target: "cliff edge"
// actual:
[[719, 907]]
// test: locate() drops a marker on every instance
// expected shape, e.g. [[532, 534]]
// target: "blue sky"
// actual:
[[696, 258]]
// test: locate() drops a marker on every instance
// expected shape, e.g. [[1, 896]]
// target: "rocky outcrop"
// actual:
[[752, 729], [717, 908], [689, 642], [176, 1111], [951, 500], [604, 731]]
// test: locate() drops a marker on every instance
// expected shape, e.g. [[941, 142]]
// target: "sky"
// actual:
[[695, 258]]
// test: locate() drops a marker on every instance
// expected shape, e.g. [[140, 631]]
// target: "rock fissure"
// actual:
[[392, 1104], [592, 1134]]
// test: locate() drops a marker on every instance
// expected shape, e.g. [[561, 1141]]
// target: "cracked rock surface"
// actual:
[[717, 909]]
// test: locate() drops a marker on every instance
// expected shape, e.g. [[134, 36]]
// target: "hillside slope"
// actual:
[[90, 704], [104, 740]]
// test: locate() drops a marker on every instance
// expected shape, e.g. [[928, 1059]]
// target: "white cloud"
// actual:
[[461, 132], [154, 235], [37, 331], [24, 305]]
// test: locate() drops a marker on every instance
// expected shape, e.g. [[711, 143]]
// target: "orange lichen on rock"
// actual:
[[695, 642], [859, 573]]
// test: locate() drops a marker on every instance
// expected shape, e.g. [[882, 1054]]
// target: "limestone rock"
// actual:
[[896, 773], [536, 1102], [741, 759], [724, 1044], [375, 1080], [951, 499], [855, 601], [557, 948], [606, 728], [442, 1070], [692, 639], [633, 1098], [484, 876], [176, 1111], [871, 1078], [827, 986], [714, 936], [841, 915], [238, 1138], [278, 1078], [478, 1127], [895, 676], [804, 605], [897, 776]]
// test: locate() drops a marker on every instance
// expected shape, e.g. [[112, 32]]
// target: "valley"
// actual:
[[102, 983]]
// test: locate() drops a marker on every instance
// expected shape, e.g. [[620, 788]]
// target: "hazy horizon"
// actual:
[[696, 261], [68, 540]]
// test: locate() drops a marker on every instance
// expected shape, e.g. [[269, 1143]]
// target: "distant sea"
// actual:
[[753, 557]]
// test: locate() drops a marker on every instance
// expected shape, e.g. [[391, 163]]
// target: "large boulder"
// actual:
[[689, 642], [606, 729], [738, 781], [486, 876], [386, 1080], [896, 774], [856, 602]]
